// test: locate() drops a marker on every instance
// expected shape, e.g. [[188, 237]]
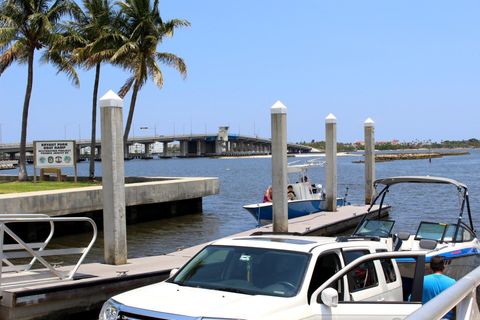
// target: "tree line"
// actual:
[[445, 144], [125, 33]]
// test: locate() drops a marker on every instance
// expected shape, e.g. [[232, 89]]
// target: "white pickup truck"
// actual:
[[279, 277]]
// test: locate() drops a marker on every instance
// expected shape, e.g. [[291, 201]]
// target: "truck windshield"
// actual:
[[245, 270]]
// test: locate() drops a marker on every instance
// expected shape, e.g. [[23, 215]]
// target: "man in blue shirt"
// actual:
[[436, 282]]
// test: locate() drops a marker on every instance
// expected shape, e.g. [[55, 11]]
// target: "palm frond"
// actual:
[[63, 64], [60, 8], [9, 56], [124, 51], [155, 72], [7, 35], [100, 56], [173, 61], [169, 27], [126, 87]]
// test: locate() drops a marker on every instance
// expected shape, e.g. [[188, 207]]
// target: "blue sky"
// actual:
[[412, 66]]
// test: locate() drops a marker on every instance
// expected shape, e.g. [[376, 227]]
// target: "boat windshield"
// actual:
[[442, 232], [431, 231], [379, 228], [245, 270]]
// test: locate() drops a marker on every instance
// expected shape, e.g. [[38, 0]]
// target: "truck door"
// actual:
[[365, 303], [326, 266], [364, 283]]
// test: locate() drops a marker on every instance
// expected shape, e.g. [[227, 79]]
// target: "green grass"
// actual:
[[15, 187]]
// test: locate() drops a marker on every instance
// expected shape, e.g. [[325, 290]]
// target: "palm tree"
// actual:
[[143, 30], [89, 41], [27, 26]]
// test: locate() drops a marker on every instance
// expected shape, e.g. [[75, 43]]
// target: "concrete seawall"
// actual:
[[142, 191]]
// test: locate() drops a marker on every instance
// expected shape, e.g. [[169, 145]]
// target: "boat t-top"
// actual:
[[457, 242]]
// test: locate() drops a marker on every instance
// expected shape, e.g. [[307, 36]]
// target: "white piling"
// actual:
[[369, 129], [279, 167], [113, 180], [331, 161]]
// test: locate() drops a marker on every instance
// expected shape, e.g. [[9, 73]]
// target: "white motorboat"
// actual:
[[456, 241], [309, 198]]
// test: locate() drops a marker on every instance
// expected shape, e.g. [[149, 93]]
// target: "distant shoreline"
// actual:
[[298, 155], [413, 156], [380, 156]]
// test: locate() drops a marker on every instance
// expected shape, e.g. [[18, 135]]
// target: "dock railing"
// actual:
[[461, 295], [36, 251]]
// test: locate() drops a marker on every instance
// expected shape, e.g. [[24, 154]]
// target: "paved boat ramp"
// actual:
[[42, 297]]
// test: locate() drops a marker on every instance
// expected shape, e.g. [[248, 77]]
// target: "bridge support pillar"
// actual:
[[165, 149], [129, 150], [199, 148], [183, 148], [218, 147], [147, 148], [12, 155]]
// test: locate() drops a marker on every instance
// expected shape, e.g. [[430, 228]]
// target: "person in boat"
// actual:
[[436, 282], [267, 196], [310, 186], [290, 193]]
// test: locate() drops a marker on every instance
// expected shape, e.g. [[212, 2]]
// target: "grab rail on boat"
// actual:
[[37, 250], [461, 295]]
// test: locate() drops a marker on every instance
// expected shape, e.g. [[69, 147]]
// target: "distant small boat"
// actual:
[[309, 198]]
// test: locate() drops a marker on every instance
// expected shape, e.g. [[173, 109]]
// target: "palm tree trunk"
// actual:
[[91, 174], [130, 116], [22, 168]]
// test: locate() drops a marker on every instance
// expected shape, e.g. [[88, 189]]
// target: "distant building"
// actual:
[[359, 144]]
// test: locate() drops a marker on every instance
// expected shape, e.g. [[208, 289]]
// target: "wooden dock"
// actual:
[[96, 282]]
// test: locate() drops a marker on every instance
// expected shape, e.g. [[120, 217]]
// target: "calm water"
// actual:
[[243, 181]]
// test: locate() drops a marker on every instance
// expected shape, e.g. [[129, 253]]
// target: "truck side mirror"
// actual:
[[173, 272], [330, 297]]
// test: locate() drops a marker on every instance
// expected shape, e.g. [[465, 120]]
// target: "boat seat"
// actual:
[[403, 235], [428, 244], [396, 242]]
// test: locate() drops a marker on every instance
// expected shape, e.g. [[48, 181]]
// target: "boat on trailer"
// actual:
[[309, 198], [457, 241]]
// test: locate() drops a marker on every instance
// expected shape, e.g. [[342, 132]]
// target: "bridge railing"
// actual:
[[461, 295]]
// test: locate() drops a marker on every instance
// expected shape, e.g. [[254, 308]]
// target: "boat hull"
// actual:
[[296, 208]]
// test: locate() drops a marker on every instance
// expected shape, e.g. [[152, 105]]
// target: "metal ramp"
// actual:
[[26, 263]]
